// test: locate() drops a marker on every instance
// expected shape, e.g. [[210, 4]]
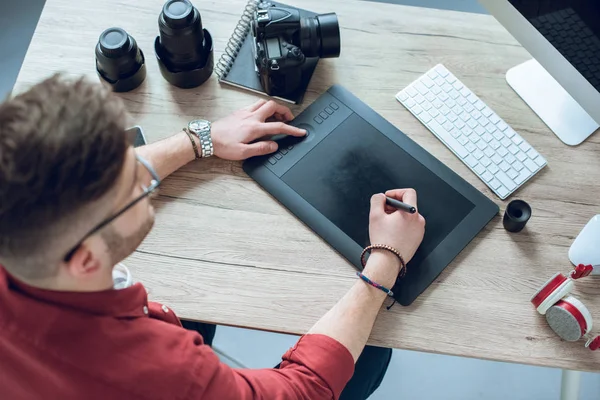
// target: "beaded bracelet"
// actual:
[[375, 284], [392, 250]]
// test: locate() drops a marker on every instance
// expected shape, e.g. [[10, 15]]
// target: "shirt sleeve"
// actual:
[[317, 367]]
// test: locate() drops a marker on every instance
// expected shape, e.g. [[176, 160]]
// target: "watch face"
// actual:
[[198, 125]]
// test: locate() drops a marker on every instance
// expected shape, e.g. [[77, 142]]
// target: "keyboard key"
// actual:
[[502, 192], [448, 139], [334, 106], [478, 154], [493, 168], [440, 119], [476, 114], [465, 92], [323, 115], [410, 103], [411, 91], [518, 166], [402, 96], [454, 94], [438, 104], [512, 174], [436, 90], [495, 144], [513, 149], [482, 145], [427, 82], [506, 142], [421, 88], [330, 111], [517, 140], [504, 166], [523, 176], [502, 151], [445, 110], [456, 109], [472, 123], [416, 110], [425, 117], [465, 116], [468, 108], [448, 126], [278, 156], [502, 126], [497, 159], [532, 153], [273, 160], [457, 85], [462, 139], [430, 97], [510, 158], [439, 81], [434, 112], [290, 147], [486, 137], [479, 169], [432, 74], [525, 146], [487, 112], [488, 152], [426, 106], [455, 132], [485, 161], [446, 87], [495, 119], [471, 98], [451, 78], [284, 151], [491, 129], [531, 165], [479, 105], [461, 101], [470, 147], [521, 156], [318, 120], [443, 97], [459, 124], [440, 69], [540, 161], [483, 121], [418, 98], [487, 176], [495, 183], [506, 181], [467, 131], [471, 161], [510, 132]]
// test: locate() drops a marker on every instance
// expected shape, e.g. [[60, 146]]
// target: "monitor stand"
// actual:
[[563, 115]]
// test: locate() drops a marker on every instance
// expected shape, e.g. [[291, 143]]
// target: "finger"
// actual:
[[256, 105], [270, 108], [408, 196], [279, 128], [260, 148], [377, 205]]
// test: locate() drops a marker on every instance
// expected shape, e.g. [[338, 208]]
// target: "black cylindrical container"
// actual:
[[516, 215], [119, 61], [183, 48]]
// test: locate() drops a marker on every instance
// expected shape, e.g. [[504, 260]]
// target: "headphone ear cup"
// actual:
[[570, 319], [551, 292]]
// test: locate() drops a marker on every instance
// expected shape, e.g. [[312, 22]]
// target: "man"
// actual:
[[74, 202]]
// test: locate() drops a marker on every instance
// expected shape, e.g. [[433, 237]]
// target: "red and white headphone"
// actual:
[[568, 317]]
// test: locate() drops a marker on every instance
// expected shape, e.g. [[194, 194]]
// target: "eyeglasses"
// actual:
[[147, 191]]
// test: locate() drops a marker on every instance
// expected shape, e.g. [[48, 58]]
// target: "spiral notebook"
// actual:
[[236, 66]]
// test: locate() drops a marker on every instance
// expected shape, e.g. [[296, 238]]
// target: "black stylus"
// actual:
[[400, 205]]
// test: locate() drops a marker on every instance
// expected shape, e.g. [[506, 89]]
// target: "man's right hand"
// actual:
[[398, 229]]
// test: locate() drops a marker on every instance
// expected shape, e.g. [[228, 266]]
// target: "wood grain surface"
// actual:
[[224, 251]]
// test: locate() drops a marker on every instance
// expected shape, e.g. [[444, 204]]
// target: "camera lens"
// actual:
[[183, 48], [119, 61], [320, 36]]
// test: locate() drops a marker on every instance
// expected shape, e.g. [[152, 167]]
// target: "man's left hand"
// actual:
[[236, 137]]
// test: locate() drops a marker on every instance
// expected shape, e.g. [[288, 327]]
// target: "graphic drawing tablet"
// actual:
[[328, 177]]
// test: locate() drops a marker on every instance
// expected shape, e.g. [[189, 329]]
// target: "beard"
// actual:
[[121, 247]]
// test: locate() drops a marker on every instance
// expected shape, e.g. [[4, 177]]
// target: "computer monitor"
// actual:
[[562, 84]]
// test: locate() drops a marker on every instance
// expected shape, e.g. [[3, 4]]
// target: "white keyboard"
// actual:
[[475, 134]]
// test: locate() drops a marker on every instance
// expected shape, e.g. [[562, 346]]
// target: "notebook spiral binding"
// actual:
[[237, 39]]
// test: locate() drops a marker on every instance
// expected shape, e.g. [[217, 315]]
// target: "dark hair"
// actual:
[[62, 147]]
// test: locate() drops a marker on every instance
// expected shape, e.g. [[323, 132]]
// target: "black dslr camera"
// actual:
[[283, 41]]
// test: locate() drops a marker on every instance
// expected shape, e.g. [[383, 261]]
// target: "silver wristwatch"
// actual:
[[201, 128]]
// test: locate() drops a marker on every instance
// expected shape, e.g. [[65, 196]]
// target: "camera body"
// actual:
[[284, 40]]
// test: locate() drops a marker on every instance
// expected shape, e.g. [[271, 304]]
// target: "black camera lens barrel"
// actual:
[[320, 36], [119, 60], [183, 48]]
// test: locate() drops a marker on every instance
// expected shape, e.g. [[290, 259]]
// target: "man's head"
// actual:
[[66, 165]]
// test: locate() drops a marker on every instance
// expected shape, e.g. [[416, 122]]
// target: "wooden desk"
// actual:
[[224, 251]]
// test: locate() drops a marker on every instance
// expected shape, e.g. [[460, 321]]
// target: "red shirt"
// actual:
[[116, 345]]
